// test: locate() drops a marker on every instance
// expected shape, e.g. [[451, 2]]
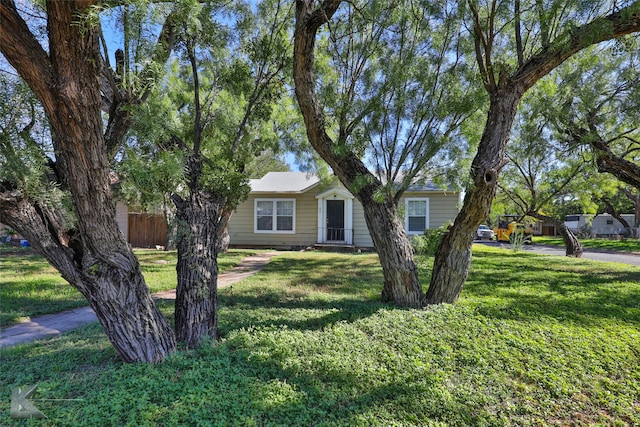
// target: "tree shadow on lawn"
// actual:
[[340, 397], [20, 299], [355, 273], [236, 383], [85, 348], [303, 294], [25, 264], [568, 291], [268, 309]]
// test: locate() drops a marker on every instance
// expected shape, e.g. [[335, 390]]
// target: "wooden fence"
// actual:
[[147, 231]]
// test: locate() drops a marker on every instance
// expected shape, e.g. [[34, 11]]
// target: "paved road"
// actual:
[[621, 257]]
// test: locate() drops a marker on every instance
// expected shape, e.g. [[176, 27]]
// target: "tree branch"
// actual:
[[617, 24], [25, 54], [518, 29]]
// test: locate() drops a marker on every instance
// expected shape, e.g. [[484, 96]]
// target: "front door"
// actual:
[[335, 220]]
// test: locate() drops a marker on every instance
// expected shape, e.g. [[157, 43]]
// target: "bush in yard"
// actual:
[[427, 243]]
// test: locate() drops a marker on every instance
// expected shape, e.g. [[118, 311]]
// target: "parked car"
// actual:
[[484, 232]]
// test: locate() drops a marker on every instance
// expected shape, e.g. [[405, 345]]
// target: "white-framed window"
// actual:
[[275, 216], [416, 215]]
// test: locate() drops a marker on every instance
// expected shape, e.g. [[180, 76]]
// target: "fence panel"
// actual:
[[147, 231]]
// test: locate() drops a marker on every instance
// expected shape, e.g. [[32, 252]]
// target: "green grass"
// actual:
[[30, 287], [627, 245], [534, 341]]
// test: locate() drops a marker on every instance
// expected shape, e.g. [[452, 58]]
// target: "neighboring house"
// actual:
[[295, 209], [542, 228], [600, 225]]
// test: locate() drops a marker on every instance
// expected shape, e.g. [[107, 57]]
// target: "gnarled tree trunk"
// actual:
[[95, 258], [112, 284], [402, 285], [453, 259], [202, 220], [573, 247], [196, 311]]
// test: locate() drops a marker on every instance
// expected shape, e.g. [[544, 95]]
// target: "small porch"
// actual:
[[335, 218]]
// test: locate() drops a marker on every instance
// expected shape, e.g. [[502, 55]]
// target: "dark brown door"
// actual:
[[335, 220]]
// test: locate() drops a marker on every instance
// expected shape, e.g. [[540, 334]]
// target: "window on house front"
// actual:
[[417, 215], [275, 215]]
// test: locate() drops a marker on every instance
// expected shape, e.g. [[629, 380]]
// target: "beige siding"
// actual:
[[442, 209], [241, 226], [361, 236]]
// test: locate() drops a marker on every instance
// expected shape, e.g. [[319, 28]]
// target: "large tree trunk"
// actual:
[[453, 259], [201, 225], [402, 285], [113, 285], [97, 259], [573, 247]]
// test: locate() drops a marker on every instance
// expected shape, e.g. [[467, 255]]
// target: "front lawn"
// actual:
[[30, 287], [534, 341]]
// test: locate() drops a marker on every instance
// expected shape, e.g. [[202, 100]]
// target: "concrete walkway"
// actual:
[[53, 325]]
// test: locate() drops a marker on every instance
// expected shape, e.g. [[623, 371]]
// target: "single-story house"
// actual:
[[544, 228], [600, 224], [297, 209]]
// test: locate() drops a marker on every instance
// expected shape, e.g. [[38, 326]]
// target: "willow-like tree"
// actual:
[[516, 44], [216, 110], [65, 72], [593, 122], [383, 87], [600, 109], [541, 171]]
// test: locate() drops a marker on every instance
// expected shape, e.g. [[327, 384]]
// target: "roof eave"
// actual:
[[302, 191]]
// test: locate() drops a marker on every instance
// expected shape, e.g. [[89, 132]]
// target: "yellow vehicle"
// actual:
[[508, 226]]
